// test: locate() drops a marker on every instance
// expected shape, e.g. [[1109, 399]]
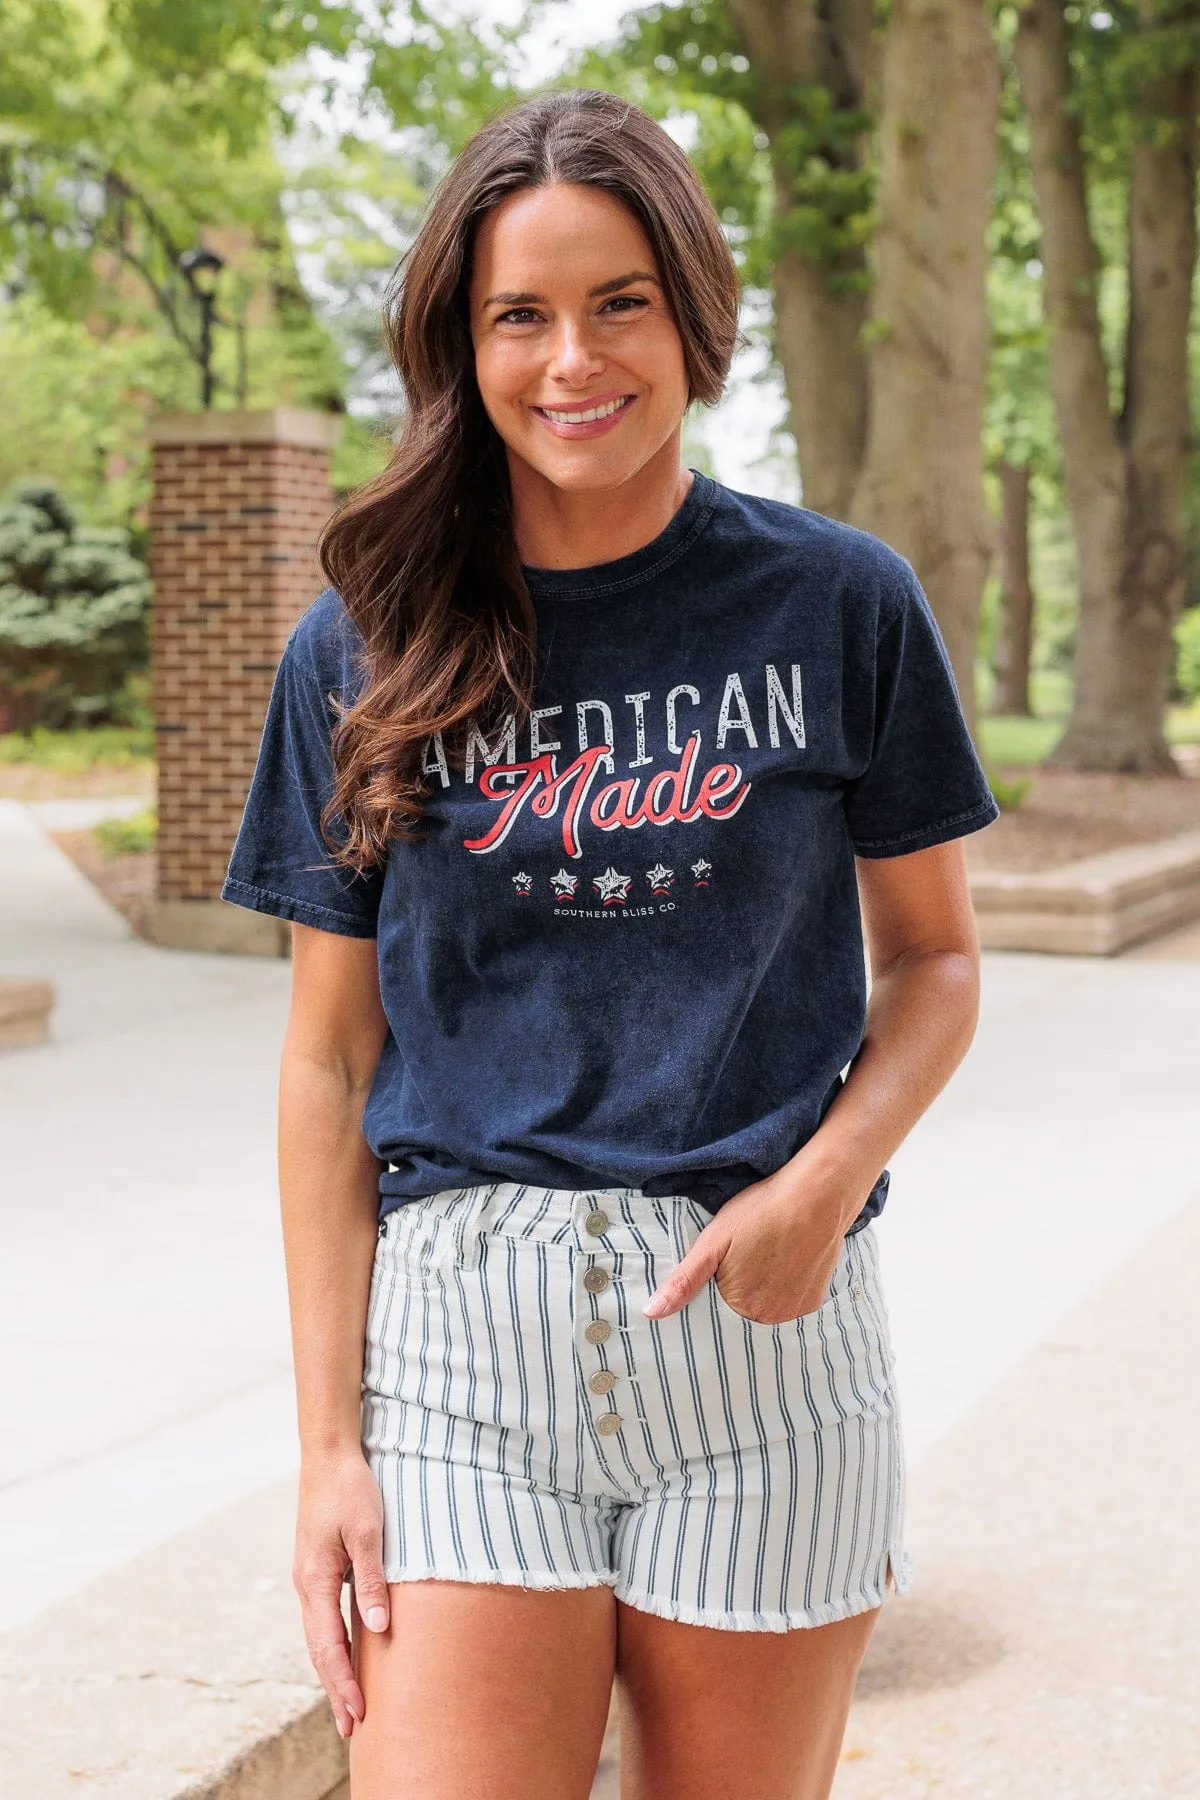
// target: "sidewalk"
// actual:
[[1039, 1214]]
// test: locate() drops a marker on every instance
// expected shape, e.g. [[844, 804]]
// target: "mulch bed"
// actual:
[[127, 882], [1065, 816]]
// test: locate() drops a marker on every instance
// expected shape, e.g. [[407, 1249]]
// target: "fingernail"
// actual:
[[655, 1307], [353, 1711], [376, 1619]]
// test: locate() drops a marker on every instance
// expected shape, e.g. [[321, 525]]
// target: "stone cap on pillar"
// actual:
[[299, 425]]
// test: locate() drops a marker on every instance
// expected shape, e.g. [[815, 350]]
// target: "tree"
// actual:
[[878, 145], [1124, 109], [73, 604]]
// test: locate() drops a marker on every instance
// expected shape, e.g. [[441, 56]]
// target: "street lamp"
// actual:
[[201, 267]]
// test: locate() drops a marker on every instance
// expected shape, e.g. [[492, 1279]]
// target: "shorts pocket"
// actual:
[[839, 1282], [426, 1238]]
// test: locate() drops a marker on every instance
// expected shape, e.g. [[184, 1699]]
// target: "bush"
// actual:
[[117, 837], [1187, 655], [73, 614]]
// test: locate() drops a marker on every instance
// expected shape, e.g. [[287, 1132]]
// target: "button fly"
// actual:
[[609, 1423], [601, 1381], [597, 1222], [596, 1280], [597, 1331]]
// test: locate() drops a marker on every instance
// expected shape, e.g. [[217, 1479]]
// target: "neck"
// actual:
[[564, 528]]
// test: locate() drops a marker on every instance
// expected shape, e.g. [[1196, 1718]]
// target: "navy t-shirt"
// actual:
[[628, 951]]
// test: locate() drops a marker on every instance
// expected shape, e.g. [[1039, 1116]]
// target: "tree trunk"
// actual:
[[1124, 479], [1155, 419], [820, 306], [1014, 628], [922, 482]]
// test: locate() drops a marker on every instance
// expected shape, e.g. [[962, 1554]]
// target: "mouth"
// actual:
[[585, 421]]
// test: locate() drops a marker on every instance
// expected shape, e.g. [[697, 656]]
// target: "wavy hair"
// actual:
[[424, 556]]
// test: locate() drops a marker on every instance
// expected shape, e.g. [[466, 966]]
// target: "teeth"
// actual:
[[584, 418]]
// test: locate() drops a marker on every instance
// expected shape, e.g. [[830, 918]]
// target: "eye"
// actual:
[[519, 315], [633, 301]]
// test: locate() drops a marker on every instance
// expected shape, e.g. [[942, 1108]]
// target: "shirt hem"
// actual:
[[301, 912], [939, 831]]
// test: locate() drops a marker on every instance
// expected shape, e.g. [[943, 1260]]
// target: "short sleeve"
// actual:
[[280, 862], [923, 783]]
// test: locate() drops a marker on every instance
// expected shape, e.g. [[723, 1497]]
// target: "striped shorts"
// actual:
[[526, 1422]]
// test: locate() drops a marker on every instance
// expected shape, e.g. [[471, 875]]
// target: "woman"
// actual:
[[564, 785]]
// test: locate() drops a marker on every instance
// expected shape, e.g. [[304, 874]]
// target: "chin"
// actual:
[[588, 474]]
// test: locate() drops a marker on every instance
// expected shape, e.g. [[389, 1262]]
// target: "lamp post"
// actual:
[[201, 267]]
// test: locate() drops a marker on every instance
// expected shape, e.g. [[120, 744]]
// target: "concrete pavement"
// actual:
[[143, 1327]]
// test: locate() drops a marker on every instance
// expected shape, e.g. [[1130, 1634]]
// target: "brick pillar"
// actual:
[[237, 503]]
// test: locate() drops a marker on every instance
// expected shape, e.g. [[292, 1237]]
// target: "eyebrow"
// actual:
[[604, 287]]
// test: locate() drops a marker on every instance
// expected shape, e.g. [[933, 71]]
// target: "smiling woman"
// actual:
[[582, 358], [570, 786]]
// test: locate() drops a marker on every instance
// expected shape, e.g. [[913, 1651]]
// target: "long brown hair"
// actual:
[[424, 556]]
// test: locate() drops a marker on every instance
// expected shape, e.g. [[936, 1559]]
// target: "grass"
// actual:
[[1017, 742], [118, 837], [75, 752]]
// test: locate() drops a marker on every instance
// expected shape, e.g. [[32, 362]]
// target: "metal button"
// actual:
[[596, 1280], [597, 1331], [601, 1381], [597, 1222], [608, 1423]]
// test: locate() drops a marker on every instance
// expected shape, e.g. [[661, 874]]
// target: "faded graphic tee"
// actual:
[[628, 951]]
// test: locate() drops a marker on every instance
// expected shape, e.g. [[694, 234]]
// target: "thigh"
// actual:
[[712, 1714], [483, 1689]]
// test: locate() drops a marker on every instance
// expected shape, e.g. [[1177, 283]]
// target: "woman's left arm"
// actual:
[[777, 1242]]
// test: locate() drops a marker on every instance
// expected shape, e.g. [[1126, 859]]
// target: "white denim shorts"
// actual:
[[527, 1424]]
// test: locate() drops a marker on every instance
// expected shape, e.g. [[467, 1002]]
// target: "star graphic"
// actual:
[[564, 883], [701, 868], [611, 887], [659, 878], [522, 882]]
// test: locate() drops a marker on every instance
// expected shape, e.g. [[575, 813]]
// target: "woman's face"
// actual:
[[569, 320]]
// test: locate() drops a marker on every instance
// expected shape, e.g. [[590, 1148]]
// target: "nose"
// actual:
[[574, 355]]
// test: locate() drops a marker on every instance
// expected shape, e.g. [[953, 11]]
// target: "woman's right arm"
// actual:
[[329, 1196]]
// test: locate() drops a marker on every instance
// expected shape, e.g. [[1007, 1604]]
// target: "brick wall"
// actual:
[[237, 502]]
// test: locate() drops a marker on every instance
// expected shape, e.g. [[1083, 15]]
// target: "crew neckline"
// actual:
[[680, 532]]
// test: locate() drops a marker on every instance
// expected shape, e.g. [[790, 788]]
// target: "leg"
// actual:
[[713, 1714], [485, 1690]]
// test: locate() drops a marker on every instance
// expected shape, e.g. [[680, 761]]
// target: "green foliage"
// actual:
[[120, 837], [73, 606], [1008, 794], [830, 184], [1187, 655], [1009, 741], [79, 750]]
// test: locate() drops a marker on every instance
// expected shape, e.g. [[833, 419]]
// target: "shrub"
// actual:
[[73, 613], [1187, 655], [117, 837]]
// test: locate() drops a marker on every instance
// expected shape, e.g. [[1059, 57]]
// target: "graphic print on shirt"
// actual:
[[577, 790]]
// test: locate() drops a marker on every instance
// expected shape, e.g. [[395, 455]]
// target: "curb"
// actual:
[[1096, 906]]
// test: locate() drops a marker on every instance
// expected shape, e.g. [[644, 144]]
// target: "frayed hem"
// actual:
[[904, 1572], [526, 1578], [829, 1614]]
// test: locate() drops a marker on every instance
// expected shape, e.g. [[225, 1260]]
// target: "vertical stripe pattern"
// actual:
[[708, 1467]]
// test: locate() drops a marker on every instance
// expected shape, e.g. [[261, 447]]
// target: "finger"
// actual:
[[329, 1651], [370, 1589], [687, 1277]]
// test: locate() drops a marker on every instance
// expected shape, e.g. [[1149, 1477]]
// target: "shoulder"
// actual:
[[786, 541], [325, 642]]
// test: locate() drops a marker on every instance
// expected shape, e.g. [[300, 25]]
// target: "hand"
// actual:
[[339, 1525], [772, 1250]]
